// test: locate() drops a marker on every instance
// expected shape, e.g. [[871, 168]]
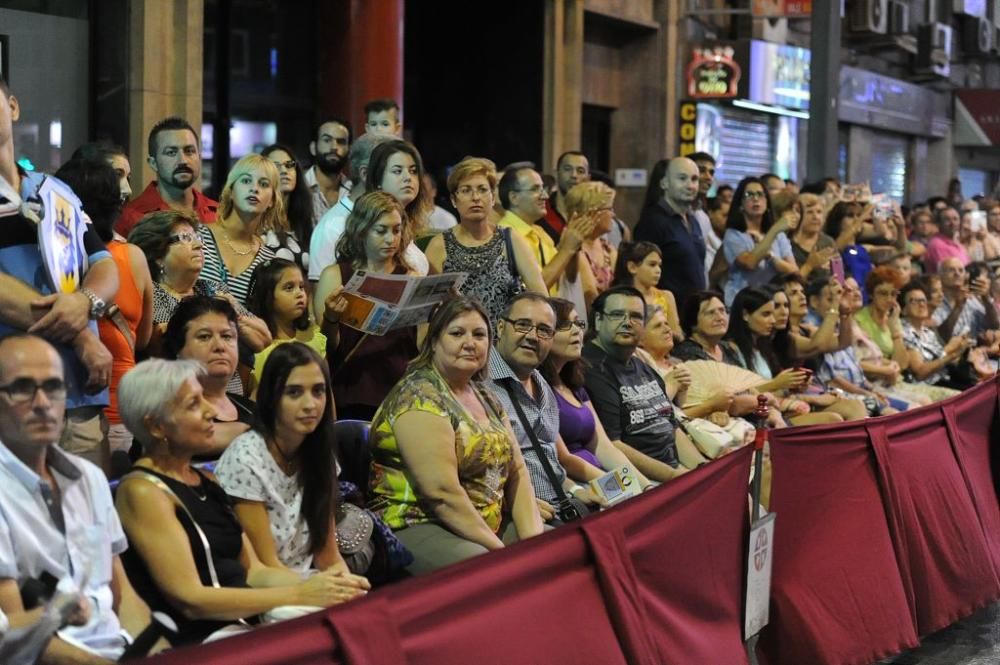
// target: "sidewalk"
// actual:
[[974, 641]]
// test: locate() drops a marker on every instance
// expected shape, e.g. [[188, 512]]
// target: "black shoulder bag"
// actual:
[[569, 508]]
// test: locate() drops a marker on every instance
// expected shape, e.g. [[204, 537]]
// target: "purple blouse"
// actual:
[[576, 426]]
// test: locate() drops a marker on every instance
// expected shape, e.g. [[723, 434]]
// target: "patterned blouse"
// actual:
[[484, 452], [215, 268], [927, 341], [490, 278]]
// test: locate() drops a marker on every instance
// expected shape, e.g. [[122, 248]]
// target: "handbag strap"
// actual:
[[117, 318], [509, 244], [537, 446], [139, 472]]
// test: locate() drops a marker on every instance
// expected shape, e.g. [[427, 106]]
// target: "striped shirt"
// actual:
[[215, 268]]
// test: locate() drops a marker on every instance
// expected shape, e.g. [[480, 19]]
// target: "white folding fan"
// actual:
[[709, 378]]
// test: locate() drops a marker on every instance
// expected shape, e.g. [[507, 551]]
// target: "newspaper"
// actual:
[[377, 304]]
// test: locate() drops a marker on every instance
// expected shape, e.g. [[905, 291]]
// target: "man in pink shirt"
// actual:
[[945, 244]]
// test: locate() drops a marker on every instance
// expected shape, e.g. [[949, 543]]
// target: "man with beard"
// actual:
[[572, 168], [669, 225], [706, 176], [175, 157], [325, 178]]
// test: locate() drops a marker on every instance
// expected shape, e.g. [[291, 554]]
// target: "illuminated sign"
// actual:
[[779, 75], [687, 128], [780, 8], [713, 73]]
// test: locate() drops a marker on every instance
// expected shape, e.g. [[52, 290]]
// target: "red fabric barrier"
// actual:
[[886, 529], [656, 580]]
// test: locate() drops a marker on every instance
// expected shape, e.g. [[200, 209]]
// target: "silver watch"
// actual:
[[98, 307]]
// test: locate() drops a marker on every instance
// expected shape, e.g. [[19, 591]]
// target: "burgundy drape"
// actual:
[[657, 580], [889, 529]]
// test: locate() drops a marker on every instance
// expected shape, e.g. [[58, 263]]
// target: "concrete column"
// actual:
[[824, 87], [360, 56], [563, 87], [164, 71]]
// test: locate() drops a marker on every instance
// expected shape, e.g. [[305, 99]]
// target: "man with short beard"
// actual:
[[325, 178], [572, 168], [175, 157]]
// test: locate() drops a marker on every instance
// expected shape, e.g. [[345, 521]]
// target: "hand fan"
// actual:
[[709, 378]]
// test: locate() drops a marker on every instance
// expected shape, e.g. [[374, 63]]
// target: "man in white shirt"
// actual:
[[57, 517]]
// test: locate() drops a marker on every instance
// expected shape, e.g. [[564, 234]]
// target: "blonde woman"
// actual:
[[249, 207], [596, 199]]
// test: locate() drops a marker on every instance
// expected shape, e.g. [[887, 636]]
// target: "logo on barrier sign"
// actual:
[[760, 548]]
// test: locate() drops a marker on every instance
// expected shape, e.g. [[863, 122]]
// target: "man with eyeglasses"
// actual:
[[325, 178], [669, 225], [572, 168], [628, 395], [57, 520], [523, 197], [966, 308], [524, 337], [175, 157], [60, 301]]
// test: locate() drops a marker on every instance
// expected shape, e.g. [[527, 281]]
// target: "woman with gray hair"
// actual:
[[189, 555]]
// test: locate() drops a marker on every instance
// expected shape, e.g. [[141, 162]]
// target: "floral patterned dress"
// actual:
[[484, 452]]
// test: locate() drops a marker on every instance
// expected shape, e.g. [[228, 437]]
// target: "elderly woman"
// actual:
[[597, 199], [755, 245], [365, 367], [174, 253], [189, 555], [291, 240], [447, 473], [930, 360], [500, 263], [204, 329], [884, 357], [249, 207], [814, 251]]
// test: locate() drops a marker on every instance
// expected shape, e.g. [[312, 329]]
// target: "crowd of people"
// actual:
[[196, 354]]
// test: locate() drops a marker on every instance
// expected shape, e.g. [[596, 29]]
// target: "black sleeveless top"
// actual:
[[212, 510]]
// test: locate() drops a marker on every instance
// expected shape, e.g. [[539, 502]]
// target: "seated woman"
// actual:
[[204, 329], [365, 367], [930, 360], [189, 556], [447, 473], [283, 474], [639, 265], [174, 253], [579, 426], [750, 329], [280, 298]]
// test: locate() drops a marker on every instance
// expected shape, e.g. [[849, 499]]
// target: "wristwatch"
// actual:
[[98, 307]]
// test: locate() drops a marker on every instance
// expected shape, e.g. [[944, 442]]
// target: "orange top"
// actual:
[[129, 301]]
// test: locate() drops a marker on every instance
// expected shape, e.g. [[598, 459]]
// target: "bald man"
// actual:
[[669, 224]]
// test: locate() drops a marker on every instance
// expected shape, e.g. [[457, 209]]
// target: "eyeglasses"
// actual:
[[563, 326], [21, 391], [917, 301], [288, 166], [886, 293], [619, 315], [955, 270], [186, 237], [468, 192], [525, 326], [537, 189], [753, 195]]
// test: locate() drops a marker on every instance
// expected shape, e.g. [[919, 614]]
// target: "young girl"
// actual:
[[365, 367], [639, 265], [278, 296]]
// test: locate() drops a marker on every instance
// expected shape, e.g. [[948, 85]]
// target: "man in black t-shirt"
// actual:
[[628, 395]]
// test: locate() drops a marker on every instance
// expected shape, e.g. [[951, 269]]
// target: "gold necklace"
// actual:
[[229, 243]]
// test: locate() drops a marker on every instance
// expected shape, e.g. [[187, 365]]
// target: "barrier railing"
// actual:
[[887, 529]]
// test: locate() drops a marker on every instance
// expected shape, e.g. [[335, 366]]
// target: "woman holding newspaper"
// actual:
[[365, 367]]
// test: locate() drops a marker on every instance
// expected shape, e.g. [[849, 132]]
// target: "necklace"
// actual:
[[174, 292], [229, 243], [283, 462]]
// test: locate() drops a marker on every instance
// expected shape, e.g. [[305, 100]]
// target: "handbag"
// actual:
[[354, 537], [518, 286], [569, 508]]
